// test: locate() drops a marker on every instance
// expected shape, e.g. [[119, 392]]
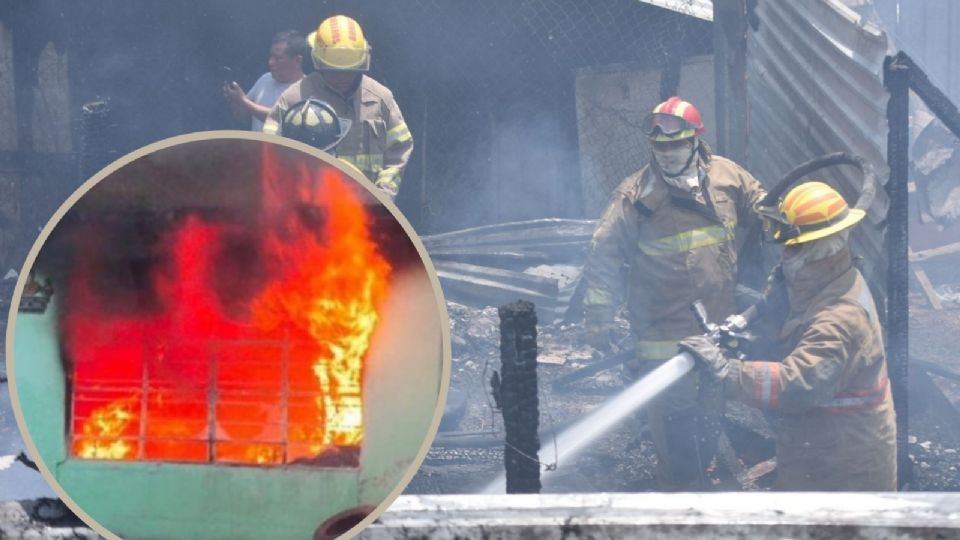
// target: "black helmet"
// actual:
[[314, 122]]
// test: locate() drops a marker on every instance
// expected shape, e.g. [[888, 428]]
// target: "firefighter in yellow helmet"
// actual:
[[379, 142], [673, 226], [837, 429]]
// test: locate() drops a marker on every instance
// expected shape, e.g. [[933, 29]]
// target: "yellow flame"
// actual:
[[103, 430]]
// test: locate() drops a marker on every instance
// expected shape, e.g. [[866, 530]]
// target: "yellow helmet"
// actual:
[[810, 211], [338, 44]]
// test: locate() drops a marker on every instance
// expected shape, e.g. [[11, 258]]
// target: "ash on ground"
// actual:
[[468, 451], [934, 437]]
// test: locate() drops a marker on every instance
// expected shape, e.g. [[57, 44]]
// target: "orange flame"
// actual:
[[331, 289], [327, 279]]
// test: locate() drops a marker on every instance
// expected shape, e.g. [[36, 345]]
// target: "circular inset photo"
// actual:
[[228, 335]]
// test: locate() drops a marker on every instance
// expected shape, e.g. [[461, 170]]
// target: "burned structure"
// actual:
[[789, 125], [218, 326], [525, 118], [515, 390]]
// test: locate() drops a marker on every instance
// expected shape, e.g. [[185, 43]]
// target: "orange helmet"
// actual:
[[338, 44], [810, 211], [673, 120]]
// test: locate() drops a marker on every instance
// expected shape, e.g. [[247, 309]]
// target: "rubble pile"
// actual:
[[936, 170], [42, 518], [466, 457], [496, 264]]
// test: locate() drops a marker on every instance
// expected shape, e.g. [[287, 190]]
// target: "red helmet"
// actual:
[[673, 120]]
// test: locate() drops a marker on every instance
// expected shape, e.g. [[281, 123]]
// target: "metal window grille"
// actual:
[[259, 402]]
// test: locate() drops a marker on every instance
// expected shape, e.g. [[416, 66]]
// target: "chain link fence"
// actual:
[[526, 109]]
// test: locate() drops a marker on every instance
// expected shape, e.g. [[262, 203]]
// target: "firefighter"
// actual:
[[837, 427], [379, 143], [673, 226]]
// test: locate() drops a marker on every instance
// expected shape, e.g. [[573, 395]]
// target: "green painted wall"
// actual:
[[170, 501], [166, 501], [41, 387]]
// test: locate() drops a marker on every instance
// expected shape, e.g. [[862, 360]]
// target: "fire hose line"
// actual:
[[637, 395], [598, 422]]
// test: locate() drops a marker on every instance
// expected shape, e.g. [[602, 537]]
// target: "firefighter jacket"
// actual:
[[837, 428], [671, 249], [378, 143]]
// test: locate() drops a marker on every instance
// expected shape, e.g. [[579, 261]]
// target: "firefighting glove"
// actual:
[[708, 355]]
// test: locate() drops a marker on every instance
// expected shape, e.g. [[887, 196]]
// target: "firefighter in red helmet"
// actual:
[[673, 224]]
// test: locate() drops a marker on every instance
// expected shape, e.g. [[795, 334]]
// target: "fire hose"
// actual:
[[728, 334], [573, 439], [868, 191]]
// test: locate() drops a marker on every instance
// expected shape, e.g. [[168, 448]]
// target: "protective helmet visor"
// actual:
[[776, 228], [665, 124]]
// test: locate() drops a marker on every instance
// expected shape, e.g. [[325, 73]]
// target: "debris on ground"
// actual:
[[470, 454]]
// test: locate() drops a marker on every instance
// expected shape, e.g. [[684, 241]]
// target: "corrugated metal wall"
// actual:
[[815, 86]]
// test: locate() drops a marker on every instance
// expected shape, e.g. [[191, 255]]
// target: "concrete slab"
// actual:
[[680, 515]]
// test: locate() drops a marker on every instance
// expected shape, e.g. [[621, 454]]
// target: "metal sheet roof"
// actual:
[[815, 86]]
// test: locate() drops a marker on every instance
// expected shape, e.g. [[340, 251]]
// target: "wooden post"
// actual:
[[518, 396], [896, 76]]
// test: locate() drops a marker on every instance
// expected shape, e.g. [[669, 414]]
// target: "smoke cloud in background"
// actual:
[[122, 227], [487, 88]]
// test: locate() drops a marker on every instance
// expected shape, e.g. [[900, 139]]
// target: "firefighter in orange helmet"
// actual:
[[673, 225], [379, 142], [838, 429]]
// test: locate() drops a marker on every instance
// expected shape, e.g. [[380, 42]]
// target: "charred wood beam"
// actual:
[[98, 150], [513, 226], [494, 256], [554, 231], [506, 255], [542, 285], [896, 78], [518, 396], [532, 239], [927, 254], [484, 292], [938, 103]]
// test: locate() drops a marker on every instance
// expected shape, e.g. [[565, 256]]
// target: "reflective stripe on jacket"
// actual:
[[379, 142], [676, 248], [838, 428]]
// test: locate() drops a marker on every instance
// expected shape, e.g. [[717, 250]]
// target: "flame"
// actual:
[[324, 283], [104, 429], [331, 288]]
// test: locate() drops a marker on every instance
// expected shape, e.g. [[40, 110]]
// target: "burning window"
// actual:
[[269, 375]]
